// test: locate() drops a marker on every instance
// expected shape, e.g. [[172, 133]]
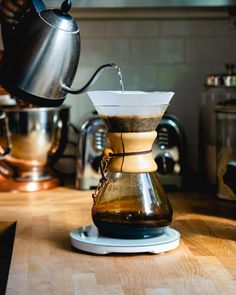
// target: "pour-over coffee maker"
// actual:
[[131, 211]]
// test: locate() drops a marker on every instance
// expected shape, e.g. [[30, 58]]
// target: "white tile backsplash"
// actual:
[[97, 51], [157, 51], [139, 77], [132, 28], [178, 105], [210, 50], [191, 130], [92, 29], [190, 28]]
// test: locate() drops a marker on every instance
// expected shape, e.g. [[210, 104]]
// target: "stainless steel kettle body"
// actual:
[[41, 54]]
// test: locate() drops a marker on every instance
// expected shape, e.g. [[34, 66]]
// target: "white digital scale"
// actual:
[[88, 239]]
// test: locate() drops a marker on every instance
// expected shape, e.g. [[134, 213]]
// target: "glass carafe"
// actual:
[[130, 202], [132, 205]]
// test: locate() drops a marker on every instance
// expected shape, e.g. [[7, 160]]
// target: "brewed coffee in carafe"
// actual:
[[129, 201]]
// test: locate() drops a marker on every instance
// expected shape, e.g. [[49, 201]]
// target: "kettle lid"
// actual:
[[59, 18]]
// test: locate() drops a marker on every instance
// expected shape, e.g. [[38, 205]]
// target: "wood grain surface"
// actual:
[[44, 263]]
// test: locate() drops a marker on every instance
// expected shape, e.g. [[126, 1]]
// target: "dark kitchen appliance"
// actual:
[[218, 88], [170, 153]]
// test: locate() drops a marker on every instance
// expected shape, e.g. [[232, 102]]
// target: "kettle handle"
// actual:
[[38, 5], [8, 31], [7, 36]]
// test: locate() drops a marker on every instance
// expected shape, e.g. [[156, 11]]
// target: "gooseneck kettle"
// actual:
[[41, 56]]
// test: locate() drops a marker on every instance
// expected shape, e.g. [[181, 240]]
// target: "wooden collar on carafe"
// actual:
[[131, 152]]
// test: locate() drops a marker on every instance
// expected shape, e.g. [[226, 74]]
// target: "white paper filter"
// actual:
[[117, 103]]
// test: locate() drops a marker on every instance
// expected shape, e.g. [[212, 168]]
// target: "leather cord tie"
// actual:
[[129, 154], [103, 167]]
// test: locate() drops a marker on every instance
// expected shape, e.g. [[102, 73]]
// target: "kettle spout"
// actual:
[[92, 80]]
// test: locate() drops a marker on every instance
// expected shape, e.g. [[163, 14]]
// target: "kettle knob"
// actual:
[[66, 6]]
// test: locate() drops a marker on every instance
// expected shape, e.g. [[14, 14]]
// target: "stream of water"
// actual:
[[120, 79]]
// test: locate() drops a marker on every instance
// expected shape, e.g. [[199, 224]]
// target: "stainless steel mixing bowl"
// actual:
[[38, 137]]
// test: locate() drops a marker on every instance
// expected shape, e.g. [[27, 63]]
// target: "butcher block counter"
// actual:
[[43, 261]]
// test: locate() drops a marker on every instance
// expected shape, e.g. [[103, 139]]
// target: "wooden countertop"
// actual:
[[44, 263]]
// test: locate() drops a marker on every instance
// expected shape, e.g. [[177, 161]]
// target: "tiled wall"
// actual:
[[156, 54]]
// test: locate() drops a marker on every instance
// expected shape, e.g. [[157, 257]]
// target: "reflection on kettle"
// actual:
[[41, 55]]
